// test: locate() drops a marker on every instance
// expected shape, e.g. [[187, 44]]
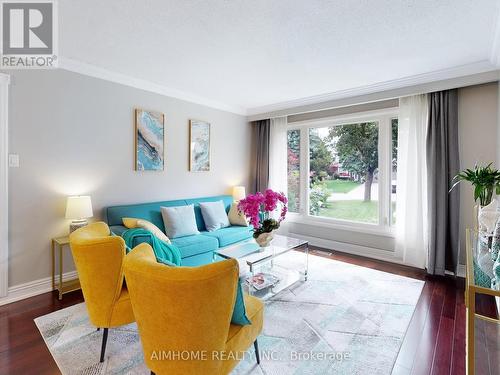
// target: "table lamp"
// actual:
[[239, 193], [78, 209]]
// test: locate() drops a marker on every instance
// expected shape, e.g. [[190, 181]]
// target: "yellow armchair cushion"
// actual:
[[240, 338], [122, 312]]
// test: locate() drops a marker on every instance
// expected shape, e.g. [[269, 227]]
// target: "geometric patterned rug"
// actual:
[[345, 319]]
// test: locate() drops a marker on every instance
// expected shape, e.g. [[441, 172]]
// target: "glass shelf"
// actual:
[[270, 260], [481, 261], [482, 333], [487, 347]]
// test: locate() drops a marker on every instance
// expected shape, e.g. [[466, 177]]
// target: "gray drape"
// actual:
[[261, 131], [442, 165]]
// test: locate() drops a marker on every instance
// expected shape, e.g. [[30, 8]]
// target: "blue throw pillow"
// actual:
[[239, 313], [179, 221], [214, 215]]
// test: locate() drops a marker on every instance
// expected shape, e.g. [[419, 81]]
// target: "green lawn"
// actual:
[[365, 212], [341, 186]]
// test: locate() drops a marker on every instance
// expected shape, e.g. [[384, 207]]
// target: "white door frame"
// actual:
[[4, 184]]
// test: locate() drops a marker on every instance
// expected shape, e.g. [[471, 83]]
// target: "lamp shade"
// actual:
[[239, 193], [79, 207]]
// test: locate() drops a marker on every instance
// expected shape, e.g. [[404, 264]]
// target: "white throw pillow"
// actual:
[[179, 221], [214, 215], [131, 222], [236, 217], [144, 224]]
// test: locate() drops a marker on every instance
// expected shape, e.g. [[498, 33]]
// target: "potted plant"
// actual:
[[258, 208], [484, 180]]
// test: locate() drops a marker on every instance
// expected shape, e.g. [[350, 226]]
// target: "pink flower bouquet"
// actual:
[[258, 208]]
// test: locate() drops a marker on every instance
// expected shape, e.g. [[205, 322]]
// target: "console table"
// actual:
[[62, 286], [482, 332]]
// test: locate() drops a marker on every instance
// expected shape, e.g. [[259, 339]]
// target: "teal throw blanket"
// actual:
[[165, 253]]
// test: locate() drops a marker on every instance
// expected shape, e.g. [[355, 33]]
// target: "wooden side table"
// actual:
[[62, 286]]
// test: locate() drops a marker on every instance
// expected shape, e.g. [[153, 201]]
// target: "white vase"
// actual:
[[264, 239], [488, 216]]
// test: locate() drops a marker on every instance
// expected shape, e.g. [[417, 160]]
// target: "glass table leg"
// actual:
[[307, 261], [60, 271], [53, 266], [251, 290]]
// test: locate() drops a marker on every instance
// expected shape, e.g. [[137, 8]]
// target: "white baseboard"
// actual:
[[385, 255], [33, 288], [364, 251]]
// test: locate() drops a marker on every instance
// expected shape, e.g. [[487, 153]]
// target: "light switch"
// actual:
[[14, 160]]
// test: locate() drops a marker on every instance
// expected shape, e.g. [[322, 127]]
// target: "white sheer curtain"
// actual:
[[411, 199], [278, 155]]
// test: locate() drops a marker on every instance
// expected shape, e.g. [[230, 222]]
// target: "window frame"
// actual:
[[383, 117]]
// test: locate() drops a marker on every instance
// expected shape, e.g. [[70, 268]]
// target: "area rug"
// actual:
[[345, 319]]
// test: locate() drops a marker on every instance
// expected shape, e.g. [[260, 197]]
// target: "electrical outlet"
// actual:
[[13, 160]]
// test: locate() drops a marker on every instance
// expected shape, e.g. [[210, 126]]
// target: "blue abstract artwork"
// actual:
[[149, 132], [199, 146]]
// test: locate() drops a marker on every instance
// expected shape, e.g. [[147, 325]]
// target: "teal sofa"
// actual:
[[196, 249]]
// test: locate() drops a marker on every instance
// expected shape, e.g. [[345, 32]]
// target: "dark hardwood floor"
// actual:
[[434, 343]]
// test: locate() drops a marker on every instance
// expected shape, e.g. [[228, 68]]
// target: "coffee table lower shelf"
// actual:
[[287, 258], [286, 278]]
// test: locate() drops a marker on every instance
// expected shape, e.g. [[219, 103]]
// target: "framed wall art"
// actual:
[[149, 140], [199, 146]]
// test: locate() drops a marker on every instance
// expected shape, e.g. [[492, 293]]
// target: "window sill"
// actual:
[[341, 225]]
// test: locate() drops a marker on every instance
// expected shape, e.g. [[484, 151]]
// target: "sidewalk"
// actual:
[[357, 194]]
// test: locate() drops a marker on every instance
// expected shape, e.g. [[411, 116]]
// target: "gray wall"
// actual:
[[74, 135], [478, 134], [498, 129]]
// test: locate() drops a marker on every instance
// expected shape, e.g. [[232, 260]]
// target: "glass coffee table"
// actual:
[[266, 271]]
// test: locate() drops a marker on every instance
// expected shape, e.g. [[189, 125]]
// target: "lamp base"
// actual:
[[76, 224]]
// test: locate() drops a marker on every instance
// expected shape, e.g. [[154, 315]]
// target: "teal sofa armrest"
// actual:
[[117, 229]]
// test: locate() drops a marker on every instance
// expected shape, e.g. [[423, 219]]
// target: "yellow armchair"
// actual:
[[99, 261], [184, 315]]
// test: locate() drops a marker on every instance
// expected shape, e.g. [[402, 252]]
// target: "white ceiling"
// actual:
[[245, 55]]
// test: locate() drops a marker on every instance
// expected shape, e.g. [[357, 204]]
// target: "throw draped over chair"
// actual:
[[98, 257]]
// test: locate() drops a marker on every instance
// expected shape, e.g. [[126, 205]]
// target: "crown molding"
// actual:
[[460, 76], [123, 79]]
